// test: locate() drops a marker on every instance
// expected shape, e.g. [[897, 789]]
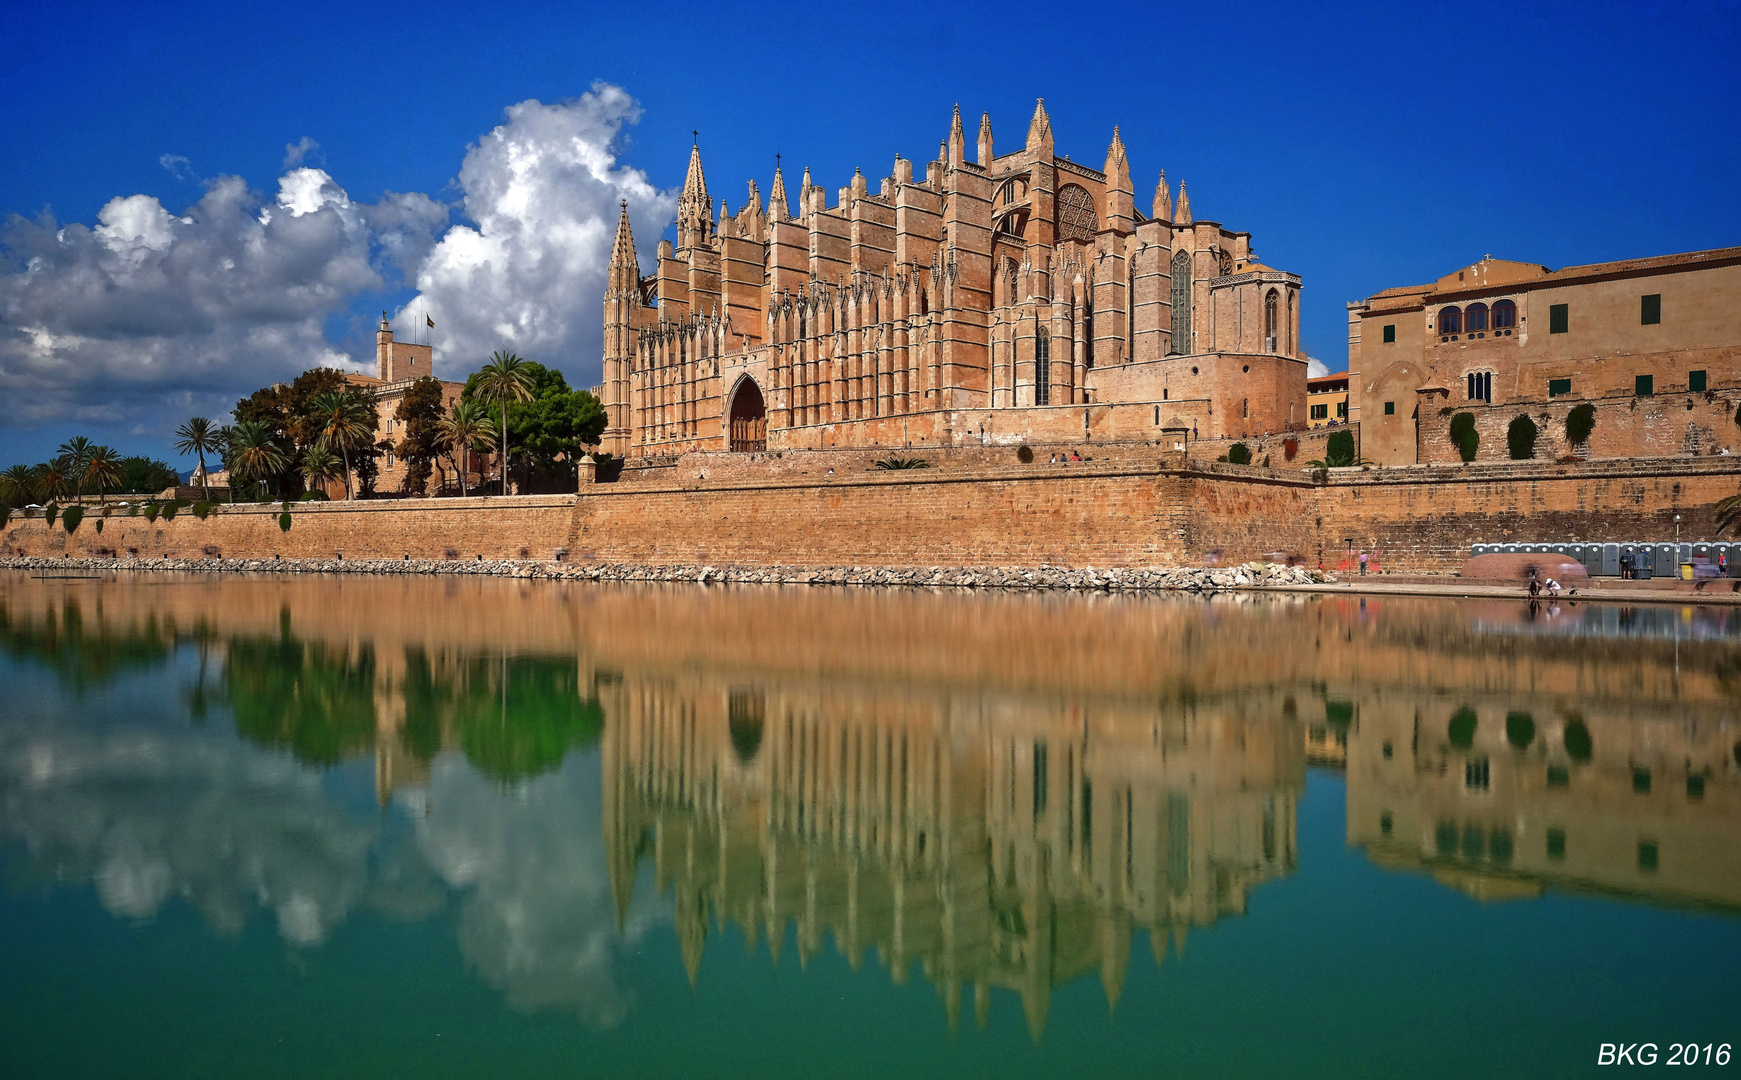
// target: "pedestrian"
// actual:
[[1722, 564], [1535, 589], [1075, 456], [1362, 562], [1625, 565]]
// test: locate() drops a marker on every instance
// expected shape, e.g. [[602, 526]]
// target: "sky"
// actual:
[[201, 199]]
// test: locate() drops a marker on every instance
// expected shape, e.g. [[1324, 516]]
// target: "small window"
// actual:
[[1320, 412], [1342, 409], [1644, 385], [1650, 309], [1390, 408], [1695, 382], [1390, 333], [1556, 387], [1559, 318]]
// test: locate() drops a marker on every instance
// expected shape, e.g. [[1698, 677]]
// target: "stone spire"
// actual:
[[1163, 207], [777, 198], [1120, 195], [1182, 216], [1117, 163], [694, 208], [1040, 128], [985, 154], [624, 273], [957, 143]]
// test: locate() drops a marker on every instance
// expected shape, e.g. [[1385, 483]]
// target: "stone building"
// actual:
[[1653, 345], [1327, 400], [1016, 297], [398, 364]]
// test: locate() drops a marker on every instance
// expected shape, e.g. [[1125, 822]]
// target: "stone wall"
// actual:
[[1146, 510], [532, 526], [1660, 425]]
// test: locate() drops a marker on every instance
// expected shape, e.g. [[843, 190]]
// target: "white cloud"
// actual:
[[527, 275], [150, 316], [177, 166], [1316, 368]]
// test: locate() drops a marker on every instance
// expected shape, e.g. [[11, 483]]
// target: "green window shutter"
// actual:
[[1644, 385], [1556, 387], [1390, 408], [1650, 309], [1389, 333], [1559, 318], [1695, 382]]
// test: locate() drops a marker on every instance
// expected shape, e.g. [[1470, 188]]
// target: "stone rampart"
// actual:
[[1144, 510]]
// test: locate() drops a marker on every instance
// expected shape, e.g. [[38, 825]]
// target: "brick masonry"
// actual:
[[1164, 510]]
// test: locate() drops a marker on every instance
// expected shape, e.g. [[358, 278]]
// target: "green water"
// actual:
[[330, 828]]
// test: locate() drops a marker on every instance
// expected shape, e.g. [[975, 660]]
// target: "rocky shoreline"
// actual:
[[1254, 575]]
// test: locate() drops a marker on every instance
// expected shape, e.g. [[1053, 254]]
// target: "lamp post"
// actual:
[[1677, 536]]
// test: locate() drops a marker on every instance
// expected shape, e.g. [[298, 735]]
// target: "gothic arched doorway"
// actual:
[[749, 418]]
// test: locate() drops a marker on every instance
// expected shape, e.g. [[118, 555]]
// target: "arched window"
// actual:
[[1042, 374], [1269, 322], [1450, 320], [1076, 217], [1475, 317], [1504, 314], [1182, 303], [1480, 386]]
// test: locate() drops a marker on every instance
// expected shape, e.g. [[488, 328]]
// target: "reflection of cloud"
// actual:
[[539, 921], [148, 817]]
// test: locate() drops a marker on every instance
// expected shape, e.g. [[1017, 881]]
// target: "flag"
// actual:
[[430, 321]]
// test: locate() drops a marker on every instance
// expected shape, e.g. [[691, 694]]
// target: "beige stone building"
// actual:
[[398, 364], [1018, 296], [1653, 345], [1327, 400]]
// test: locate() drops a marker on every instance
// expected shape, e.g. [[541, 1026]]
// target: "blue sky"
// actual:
[[1362, 148]]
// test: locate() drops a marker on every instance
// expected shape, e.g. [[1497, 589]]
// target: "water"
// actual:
[[372, 827]]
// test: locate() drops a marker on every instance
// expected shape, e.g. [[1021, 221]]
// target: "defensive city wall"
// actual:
[[978, 509]]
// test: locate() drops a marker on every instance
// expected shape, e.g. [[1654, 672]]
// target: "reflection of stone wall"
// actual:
[[996, 840], [1610, 797]]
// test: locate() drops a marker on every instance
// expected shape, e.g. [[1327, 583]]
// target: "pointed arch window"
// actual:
[[1076, 217], [1181, 303], [1270, 307]]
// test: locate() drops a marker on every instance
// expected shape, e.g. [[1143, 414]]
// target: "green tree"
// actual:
[[1464, 436], [102, 470], [1580, 422], [255, 454], [466, 427], [320, 464], [419, 416], [343, 420], [1520, 438], [505, 378], [1339, 449], [199, 436], [1239, 454], [74, 453], [143, 475]]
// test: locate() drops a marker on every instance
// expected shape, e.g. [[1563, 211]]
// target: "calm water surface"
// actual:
[[366, 827]]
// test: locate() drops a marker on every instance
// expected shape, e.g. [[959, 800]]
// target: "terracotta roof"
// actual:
[[1654, 262], [1521, 277]]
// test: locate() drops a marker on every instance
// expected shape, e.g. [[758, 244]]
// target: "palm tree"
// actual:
[[1728, 512], [50, 480], [255, 453], [467, 426], [225, 440], [198, 436], [75, 452], [18, 485], [102, 469], [345, 421], [503, 379], [320, 464]]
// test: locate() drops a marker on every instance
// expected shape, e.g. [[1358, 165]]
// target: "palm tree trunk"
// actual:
[[504, 464], [347, 455], [205, 481]]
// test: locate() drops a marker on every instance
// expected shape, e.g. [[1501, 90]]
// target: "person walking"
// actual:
[[1362, 562]]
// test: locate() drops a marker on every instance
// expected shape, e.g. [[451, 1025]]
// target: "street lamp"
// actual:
[[1677, 534]]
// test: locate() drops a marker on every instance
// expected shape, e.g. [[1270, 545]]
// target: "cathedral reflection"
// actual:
[[996, 842]]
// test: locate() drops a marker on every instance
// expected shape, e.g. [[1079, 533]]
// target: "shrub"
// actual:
[[1519, 729], [1579, 423], [169, 509], [201, 509], [1464, 436], [1520, 438], [1462, 729], [70, 520], [1578, 743], [1239, 454], [1290, 448], [1339, 449], [151, 512], [5, 515], [99, 526], [284, 521], [314, 495], [50, 513], [1025, 453]]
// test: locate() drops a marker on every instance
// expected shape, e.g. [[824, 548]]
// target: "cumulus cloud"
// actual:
[[150, 315], [1316, 368], [527, 273], [177, 166], [299, 151]]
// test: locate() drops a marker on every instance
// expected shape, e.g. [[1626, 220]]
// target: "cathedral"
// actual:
[[1015, 298]]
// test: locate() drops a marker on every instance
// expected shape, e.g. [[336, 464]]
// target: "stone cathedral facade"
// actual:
[[1019, 297]]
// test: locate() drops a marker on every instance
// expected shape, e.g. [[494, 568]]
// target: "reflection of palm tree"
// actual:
[[102, 469], [466, 427], [256, 454], [198, 436], [505, 378]]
